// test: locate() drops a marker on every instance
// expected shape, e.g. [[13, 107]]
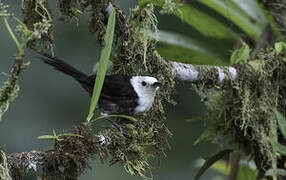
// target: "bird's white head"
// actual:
[[145, 87]]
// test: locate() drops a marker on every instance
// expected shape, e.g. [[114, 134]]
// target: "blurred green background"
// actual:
[[49, 100]]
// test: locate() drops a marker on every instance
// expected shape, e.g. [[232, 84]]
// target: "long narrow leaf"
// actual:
[[229, 9], [103, 63], [252, 9], [177, 47], [209, 162], [204, 23], [278, 147], [201, 21], [282, 122]]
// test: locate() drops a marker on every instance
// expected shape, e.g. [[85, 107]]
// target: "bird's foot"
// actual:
[[118, 127]]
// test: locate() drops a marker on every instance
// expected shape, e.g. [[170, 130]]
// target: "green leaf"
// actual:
[[240, 55], [177, 47], [251, 25], [280, 46], [207, 135], [222, 167], [204, 23], [282, 122], [244, 173], [276, 172], [103, 63], [47, 137], [278, 147], [210, 161], [252, 9]]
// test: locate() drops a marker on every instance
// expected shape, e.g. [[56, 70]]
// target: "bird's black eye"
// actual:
[[143, 83]]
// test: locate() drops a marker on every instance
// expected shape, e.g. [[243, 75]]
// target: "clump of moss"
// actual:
[[8, 92], [169, 6], [70, 155], [70, 9], [243, 111], [4, 168], [10, 88], [38, 19]]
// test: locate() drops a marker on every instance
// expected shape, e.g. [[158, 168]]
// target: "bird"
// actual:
[[120, 94]]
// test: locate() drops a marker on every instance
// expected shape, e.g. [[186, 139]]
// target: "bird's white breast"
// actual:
[[145, 102]]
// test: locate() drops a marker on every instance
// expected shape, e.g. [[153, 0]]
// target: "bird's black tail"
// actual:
[[64, 67]]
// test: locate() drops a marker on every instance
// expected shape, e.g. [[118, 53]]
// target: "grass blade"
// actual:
[[103, 63]]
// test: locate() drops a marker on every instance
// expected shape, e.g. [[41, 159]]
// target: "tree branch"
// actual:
[[210, 75]]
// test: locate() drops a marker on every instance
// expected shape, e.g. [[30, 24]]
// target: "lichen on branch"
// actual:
[[243, 111]]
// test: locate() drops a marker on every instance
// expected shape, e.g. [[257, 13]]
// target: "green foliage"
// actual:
[[278, 147], [248, 17], [241, 55], [244, 172], [180, 48], [204, 23], [252, 25], [103, 64], [282, 122], [279, 47], [242, 112], [210, 161], [10, 88], [282, 125]]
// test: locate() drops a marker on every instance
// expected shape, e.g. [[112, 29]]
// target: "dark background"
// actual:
[[49, 100]]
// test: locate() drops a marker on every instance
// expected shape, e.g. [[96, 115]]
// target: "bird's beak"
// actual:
[[156, 84]]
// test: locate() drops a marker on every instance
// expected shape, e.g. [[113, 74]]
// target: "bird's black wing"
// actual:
[[115, 86], [117, 95]]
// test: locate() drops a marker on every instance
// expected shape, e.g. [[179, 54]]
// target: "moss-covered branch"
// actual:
[[66, 160], [209, 75], [241, 106]]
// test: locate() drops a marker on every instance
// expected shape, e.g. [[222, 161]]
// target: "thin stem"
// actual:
[[114, 116], [12, 34]]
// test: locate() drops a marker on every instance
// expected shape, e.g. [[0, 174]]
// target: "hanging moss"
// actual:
[[242, 112], [71, 9], [38, 19]]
